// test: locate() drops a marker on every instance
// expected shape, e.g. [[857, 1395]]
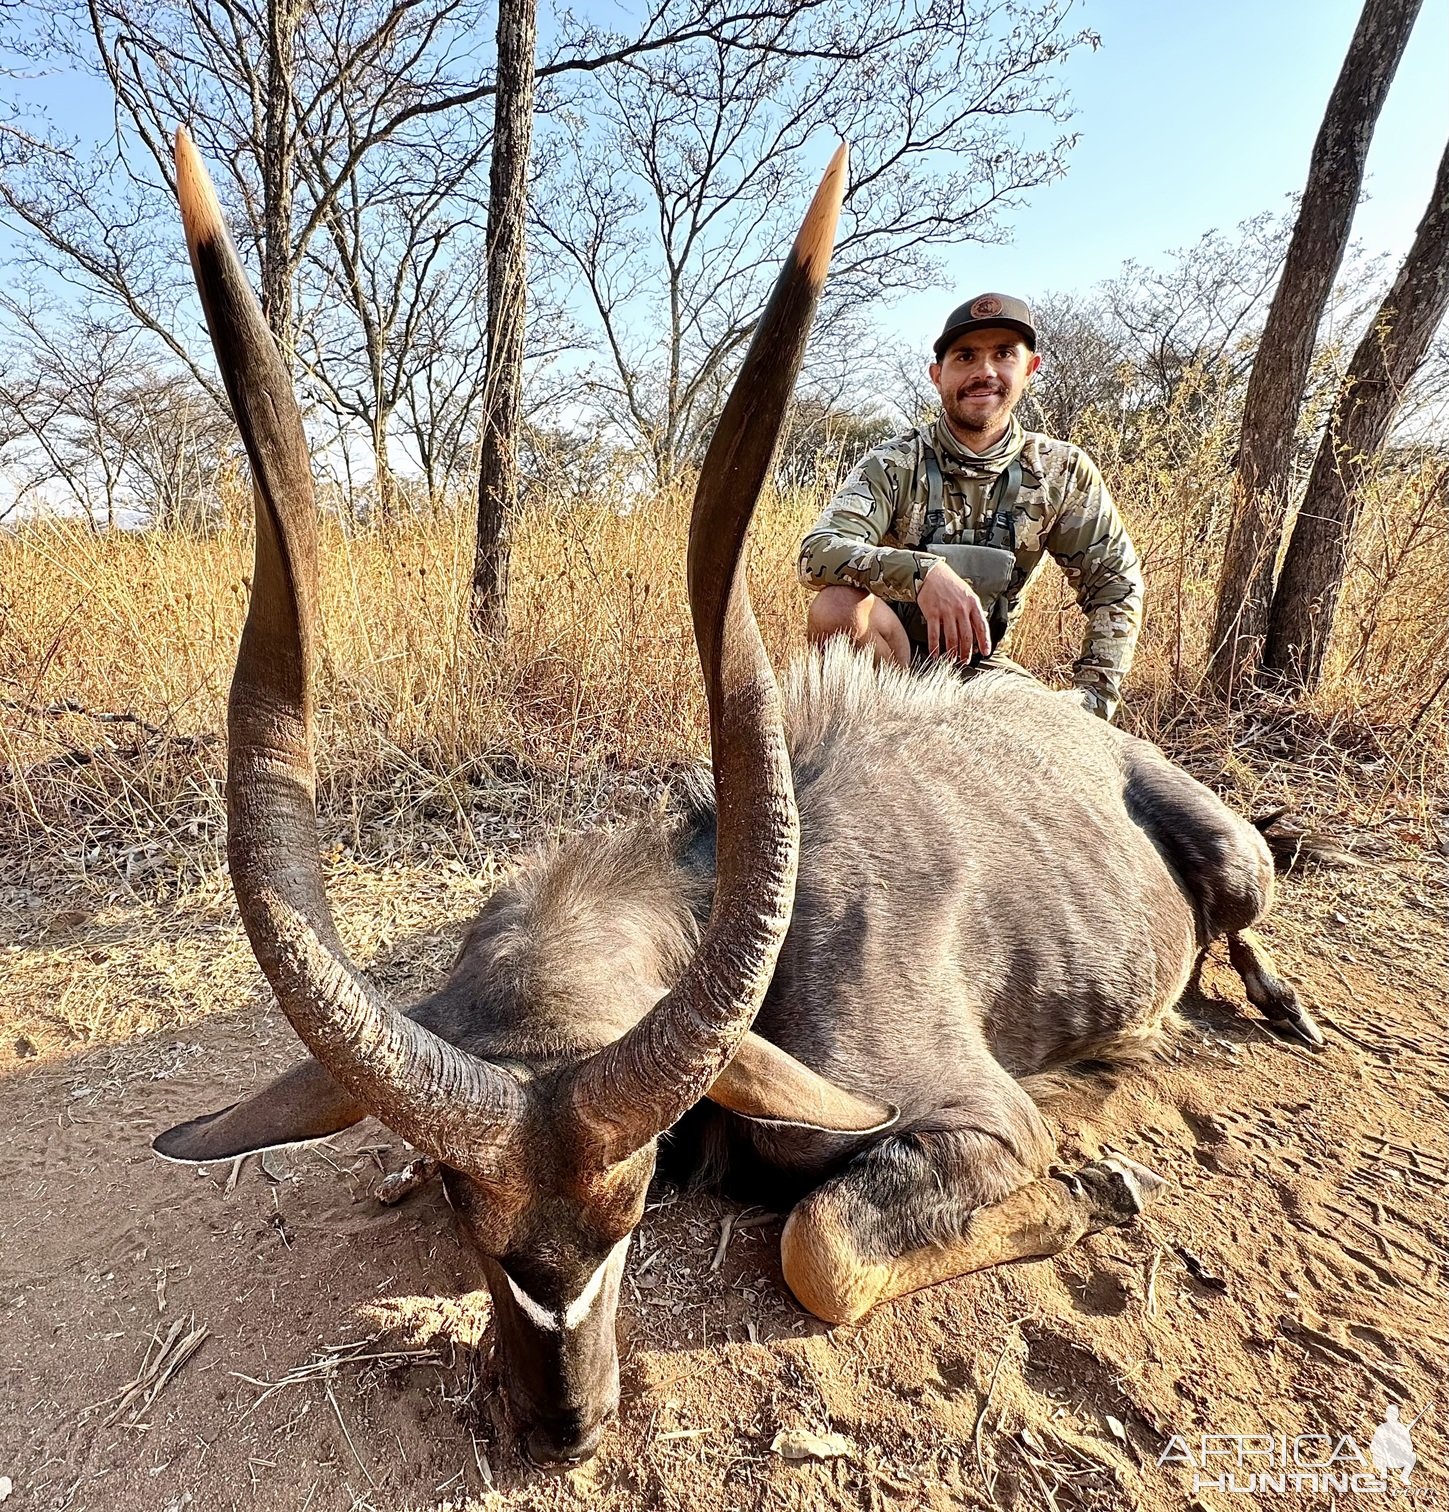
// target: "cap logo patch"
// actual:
[[987, 305]]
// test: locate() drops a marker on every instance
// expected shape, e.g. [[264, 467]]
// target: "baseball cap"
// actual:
[[988, 310]]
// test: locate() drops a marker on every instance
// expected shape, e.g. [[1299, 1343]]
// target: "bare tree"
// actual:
[[507, 314], [441, 396], [1425, 409], [72, 415], [1085, 364], [1275, 389], [298, 105], [95, 422], [1174, 337], [395, 292], [688, 160], [316, 117], [564, 467], [1381, 371], [824, 438], [1201, 311], [288, 100]]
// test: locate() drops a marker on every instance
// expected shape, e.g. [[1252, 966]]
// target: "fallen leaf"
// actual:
[[71, 919], [801, 1444]]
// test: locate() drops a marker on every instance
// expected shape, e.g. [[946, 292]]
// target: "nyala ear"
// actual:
[[303, 1103], [763, 1082]]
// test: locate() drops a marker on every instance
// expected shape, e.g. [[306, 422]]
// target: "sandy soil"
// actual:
[[293, 1345]]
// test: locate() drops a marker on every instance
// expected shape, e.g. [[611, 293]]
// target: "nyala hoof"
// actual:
[[1115, 1189], [1293, 1021]]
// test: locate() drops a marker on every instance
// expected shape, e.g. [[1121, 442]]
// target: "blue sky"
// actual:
[[1195, 115]]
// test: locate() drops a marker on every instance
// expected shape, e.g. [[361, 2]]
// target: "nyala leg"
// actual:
[[1267, 991], [907, 1213]]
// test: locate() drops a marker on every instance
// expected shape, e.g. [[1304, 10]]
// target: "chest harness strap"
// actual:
[[1000, 514]]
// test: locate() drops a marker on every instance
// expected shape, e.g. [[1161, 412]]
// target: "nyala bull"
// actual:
[[906, 895]]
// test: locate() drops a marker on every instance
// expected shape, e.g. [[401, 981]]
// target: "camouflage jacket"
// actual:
[[869, 537]]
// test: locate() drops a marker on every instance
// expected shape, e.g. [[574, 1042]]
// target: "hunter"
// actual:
[[929, 544]]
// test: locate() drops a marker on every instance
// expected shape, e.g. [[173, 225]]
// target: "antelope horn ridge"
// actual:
[[637, 1087], [452, 1105]]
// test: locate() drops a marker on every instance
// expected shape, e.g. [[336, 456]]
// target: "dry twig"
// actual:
[[164, 1357]]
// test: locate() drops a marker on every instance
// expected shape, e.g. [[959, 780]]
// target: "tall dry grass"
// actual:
[[116, 652]]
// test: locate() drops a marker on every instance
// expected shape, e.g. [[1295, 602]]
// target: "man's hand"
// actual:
[[955, 621]]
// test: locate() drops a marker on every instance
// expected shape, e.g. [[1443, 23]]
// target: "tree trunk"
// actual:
[[1383, 366], [384, 481], [507, 309], [1280, 372], [279, 138]]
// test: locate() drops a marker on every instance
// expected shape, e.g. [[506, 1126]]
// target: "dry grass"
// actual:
[[164, 1357], [116, 651]]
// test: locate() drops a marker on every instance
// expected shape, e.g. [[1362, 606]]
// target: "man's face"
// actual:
[[980, 377]]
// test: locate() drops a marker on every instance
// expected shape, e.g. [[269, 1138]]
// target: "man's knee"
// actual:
[[838, 610], [869, 622]]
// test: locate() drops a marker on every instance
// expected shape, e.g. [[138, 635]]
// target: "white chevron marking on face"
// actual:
[[579, 1309], [538, 1315], [583, 1304]]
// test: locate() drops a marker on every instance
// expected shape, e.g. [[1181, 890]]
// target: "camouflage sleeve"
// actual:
[[844, 545], [1092, 546]]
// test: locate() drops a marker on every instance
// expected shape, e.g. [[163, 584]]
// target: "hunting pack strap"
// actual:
[[986, 567]]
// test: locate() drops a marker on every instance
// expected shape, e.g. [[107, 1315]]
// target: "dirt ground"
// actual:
[[273, 1339]]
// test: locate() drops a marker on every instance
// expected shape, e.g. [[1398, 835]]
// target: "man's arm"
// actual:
[[844, 547], [1093, 549]]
